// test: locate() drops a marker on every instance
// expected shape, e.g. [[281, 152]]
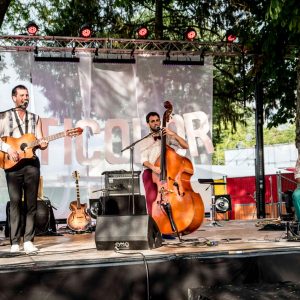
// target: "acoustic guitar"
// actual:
[[78, 220], [27, 144]]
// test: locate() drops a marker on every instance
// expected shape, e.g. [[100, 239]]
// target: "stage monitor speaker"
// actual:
[[222, 203], [127, 233]]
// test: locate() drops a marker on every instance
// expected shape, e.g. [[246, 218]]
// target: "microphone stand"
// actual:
[[131, 147], [14, 108]]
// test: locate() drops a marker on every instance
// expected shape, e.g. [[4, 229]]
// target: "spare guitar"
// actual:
[[78, 220], [27, 144]]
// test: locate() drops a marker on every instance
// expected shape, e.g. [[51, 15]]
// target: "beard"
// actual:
[[156, 129]]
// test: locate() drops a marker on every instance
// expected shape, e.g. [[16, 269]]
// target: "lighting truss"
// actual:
[[117, 46]]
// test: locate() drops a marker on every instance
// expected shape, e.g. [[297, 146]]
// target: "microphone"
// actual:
[[25, 103], [157, 129]]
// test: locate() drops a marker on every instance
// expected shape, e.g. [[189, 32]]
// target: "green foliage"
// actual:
[[285, 13], [264, 28]]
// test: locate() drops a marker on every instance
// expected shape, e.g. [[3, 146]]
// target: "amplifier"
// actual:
[[120, 182]]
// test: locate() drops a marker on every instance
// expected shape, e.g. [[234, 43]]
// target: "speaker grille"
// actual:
[[127, 232]]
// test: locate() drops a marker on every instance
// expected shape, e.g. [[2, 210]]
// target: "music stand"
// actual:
[[214, 222]]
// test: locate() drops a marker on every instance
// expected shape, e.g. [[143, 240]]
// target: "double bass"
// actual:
[[177, 208]]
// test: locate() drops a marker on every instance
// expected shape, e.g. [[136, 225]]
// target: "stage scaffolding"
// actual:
[[118, 46]]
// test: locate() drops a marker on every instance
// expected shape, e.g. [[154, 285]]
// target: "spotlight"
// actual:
[[32, 28], [142, 32], [223, 203], [114, 60], [85, 31], [230, 36], [57, 59], [190, 34], [183, 61]]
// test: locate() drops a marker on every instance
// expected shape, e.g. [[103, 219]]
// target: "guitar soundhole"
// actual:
[[23, 146]]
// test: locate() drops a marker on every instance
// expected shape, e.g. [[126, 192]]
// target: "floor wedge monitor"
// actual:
[[127, 233]]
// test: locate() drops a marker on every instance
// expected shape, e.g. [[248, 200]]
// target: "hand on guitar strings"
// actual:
[[156, 170], [167, 131], [13, 154]]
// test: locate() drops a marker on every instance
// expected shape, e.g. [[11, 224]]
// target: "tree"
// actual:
[[4, 4], [286, 14], [267, 28]]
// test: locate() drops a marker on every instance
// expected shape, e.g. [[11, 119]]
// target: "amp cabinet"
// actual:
[[118, 183]]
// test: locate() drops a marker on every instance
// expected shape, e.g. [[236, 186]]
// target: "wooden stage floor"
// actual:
[[234, 261], [233, 238]]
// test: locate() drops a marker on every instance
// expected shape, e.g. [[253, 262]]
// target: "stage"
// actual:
[[214, 262]]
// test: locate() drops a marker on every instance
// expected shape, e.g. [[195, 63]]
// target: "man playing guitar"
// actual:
[[23, 178]]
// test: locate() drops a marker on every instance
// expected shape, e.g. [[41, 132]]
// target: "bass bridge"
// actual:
[[164, 195]]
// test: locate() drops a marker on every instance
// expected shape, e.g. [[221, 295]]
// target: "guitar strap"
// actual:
[[34, 122], [19, 124], [11, 123]]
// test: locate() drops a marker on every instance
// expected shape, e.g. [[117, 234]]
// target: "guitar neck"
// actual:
[[77, 195], [48, 139]]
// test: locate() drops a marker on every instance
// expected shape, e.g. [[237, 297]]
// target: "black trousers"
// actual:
[[23, 180]]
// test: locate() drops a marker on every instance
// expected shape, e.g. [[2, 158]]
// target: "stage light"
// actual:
[[36, 50], [223, 203], [142, 32], [185, 61], [32, 28], [230, 36], [114, 60], [190, 34], [57, 59], [85, 31]]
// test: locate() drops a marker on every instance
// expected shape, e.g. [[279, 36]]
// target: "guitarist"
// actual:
[[23, 178]]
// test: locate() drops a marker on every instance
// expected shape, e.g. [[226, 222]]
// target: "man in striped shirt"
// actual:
[[23, 178]]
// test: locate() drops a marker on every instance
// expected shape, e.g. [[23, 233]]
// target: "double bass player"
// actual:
[[170, 199], [151, 150]]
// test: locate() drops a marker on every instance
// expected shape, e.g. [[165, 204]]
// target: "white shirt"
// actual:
[[150, 149], [12, 125]]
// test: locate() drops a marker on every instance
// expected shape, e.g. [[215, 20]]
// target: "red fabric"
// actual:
[[242, 189]]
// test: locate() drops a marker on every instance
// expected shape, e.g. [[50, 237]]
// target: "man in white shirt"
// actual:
[[150, 152], [24, 175]]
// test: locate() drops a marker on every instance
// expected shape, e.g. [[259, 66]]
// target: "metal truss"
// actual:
[[99, 46]]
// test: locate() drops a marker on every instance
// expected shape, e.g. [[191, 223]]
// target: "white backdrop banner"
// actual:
[[109, 102]]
